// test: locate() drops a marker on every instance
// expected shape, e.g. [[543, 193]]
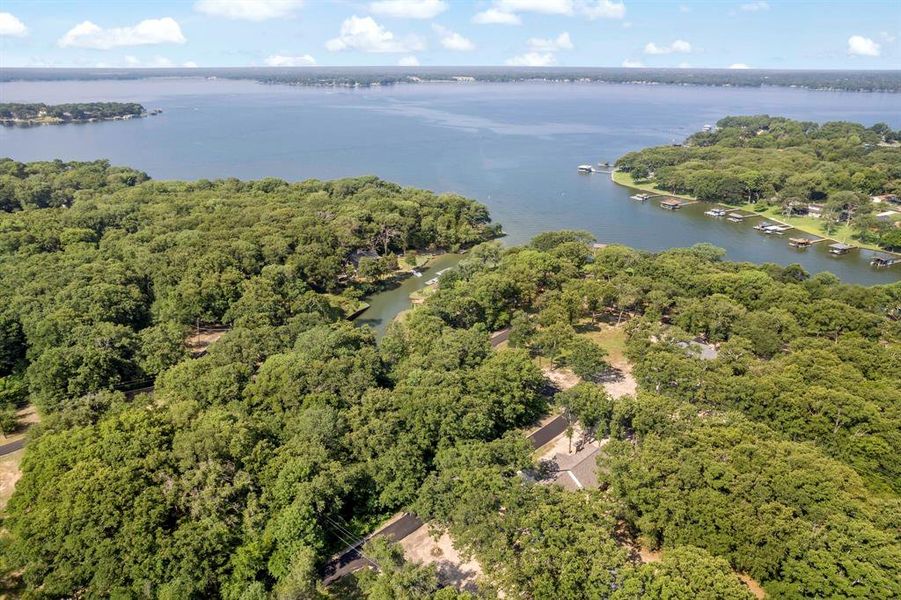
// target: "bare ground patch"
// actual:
[[421, 547], [199, 342], [9, 475], [563, 379]]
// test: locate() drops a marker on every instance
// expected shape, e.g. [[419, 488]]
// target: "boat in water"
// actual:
[[437, 276], [586, 169], [640, 197], [716, 212]]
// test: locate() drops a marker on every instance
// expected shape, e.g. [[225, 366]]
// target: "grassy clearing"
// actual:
[[810, 225], [626, 179], [610, 338]]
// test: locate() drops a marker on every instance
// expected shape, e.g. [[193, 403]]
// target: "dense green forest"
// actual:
[[11, 113], [790, 164], [250, 465]]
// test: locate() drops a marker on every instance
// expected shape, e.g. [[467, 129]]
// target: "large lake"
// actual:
[[513, 146]]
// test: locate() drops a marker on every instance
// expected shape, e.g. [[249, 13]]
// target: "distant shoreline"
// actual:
[[37, 122], [32, 114], [357, 77]]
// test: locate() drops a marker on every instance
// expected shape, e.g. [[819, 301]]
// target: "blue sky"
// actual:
[[604, 33]]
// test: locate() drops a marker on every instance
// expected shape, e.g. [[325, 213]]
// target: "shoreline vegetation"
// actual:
[[809, 225], [354, 77], [37, 113], [837, 181]]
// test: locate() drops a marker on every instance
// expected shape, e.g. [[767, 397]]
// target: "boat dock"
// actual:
[[839, 248], [885, 260], [671, 203], [771, 228]]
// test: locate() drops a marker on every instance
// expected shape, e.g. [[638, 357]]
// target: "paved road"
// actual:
[[499, 337], [12, 446], [351, 560], [552, 429]]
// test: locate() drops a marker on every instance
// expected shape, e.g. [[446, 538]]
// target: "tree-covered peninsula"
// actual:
[[81, 112], [839, 174], [251, 463]]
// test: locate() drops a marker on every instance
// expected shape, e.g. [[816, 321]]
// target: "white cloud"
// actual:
[[632, 64], [677, 47], [532, 59], [739, 66], [11, 26], [561, 42], [365, 35], [453, 40], [684, 8], [155, 62], [282, 60], [409, 9], [887, 37], [684, 65], [862, 46], [604, 9], [755, 6], [147, 32], [545, 7], [493, 16], [408, 61], [248, 10]]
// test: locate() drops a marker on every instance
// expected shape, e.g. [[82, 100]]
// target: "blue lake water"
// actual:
[[512, 146]]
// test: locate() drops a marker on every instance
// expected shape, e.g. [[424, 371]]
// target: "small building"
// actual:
[[358, 255], [840, 248], [886, 199], [815, 210], [670, 204], [887, 216]]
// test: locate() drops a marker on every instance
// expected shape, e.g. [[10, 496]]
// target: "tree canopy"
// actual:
[[773, 454]]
